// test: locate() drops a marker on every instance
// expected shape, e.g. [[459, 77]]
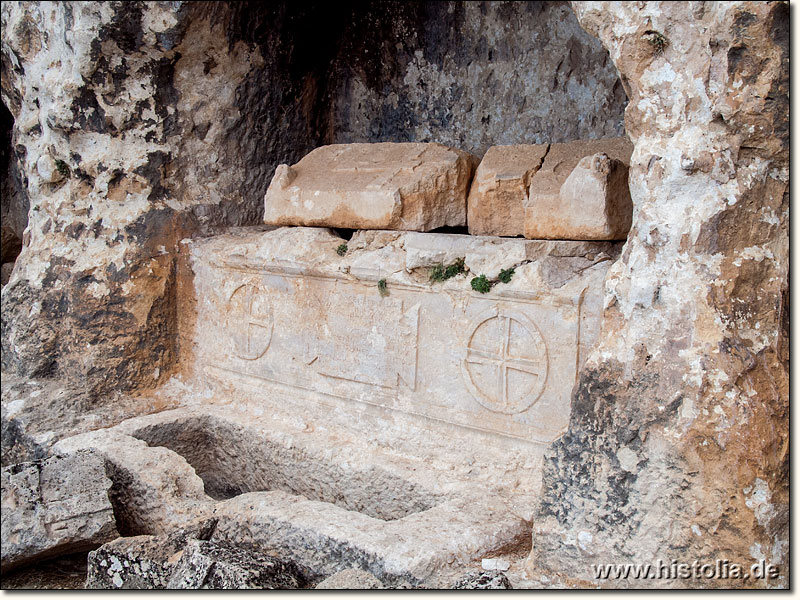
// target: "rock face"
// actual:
[[495, 203], [677, 447], [581, 192], [285, 306], [350, 579], [56, 506], [415, 187]]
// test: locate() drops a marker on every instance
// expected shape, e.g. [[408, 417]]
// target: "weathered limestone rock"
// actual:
[[581, 192], [283, 306], [184, 559], [483, 580], [154, 490], [325, 491], [414, 187], [205, 565], [350, 579], [495, 202], [677, 447], [142, 562], [57, 506]]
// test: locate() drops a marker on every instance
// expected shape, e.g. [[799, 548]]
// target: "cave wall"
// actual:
[[677, 447], [13, 195], [140, 124]]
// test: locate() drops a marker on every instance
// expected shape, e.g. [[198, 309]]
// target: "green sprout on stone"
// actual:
[[382, 288], [505, 275], [442, 273], [341, 250], [481, 284], [62, 167], [656, 40]]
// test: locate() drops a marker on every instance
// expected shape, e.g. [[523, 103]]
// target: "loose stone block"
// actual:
[[581, 192], [56, 506], [496, 197], [283, 309], [399, 186]]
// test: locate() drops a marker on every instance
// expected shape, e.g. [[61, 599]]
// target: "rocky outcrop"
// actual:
[[677, 447], [56, 506]]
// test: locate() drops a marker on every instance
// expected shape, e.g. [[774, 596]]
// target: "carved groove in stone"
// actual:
[[491, 358], [249, 306]]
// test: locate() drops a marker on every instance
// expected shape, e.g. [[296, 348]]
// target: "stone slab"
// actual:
[[498, 191], [461, 517], [581, 192], [282, 310], [55, 506], [397, 186]]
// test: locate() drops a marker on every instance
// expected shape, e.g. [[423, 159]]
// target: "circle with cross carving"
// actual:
[[506, 363], [249, 322]]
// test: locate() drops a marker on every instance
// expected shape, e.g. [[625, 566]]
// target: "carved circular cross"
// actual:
[[249, 322], [505, 366]]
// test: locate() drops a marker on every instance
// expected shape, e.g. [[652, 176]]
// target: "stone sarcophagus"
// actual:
[[283, 314]]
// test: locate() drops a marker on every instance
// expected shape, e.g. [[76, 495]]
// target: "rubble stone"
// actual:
[[59, 505], [483, 580]]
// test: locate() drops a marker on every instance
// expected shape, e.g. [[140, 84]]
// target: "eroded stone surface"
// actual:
[[319, 490], [483, 580], [677, 447], [154, 490], [414, 187], [284, 308], [496, 196], [55, 506], [350, 579], [184, 559], [581, 192]]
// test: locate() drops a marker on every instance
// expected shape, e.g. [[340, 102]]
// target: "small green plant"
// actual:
[[341, 250], [505, 275], [62, 167], [441, 273], [382, 287], [481, 284], [656, 40], [457, 268]]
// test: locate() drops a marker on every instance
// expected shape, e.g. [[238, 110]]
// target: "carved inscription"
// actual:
[[506, 361], [249, 321], [485, 363], [371, 340]]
